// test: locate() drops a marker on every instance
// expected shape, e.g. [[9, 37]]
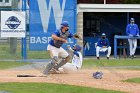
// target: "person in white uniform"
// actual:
[[132, 30], [76, 63]]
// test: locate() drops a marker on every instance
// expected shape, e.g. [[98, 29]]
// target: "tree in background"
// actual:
[[131, 1], [113, 1], [110, 1], [123, 1]]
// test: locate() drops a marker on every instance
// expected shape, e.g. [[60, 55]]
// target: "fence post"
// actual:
[[24, 52]]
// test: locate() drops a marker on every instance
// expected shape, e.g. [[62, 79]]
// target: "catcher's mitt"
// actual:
[[76, 36]]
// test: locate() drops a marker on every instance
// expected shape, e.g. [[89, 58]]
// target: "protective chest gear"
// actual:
[[58, 43]]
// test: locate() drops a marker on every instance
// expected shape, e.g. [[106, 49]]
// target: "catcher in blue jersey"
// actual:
[[59, 37]]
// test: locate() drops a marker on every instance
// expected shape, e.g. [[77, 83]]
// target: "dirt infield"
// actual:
[[111, 78]]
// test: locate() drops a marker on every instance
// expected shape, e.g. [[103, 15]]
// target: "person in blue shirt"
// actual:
[[59, 37], [132, 30], [103, 45]]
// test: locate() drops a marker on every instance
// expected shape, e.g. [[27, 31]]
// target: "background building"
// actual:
[[108, 16], [93, 18]]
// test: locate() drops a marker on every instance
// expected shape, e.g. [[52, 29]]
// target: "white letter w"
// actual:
[[45, 11]]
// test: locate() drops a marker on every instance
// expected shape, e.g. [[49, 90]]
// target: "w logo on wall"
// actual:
[[46, 16]]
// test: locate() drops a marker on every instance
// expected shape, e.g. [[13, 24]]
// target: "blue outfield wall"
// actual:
[[46, 16]]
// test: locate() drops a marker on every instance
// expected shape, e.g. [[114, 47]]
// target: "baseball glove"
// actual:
[[76, 36]]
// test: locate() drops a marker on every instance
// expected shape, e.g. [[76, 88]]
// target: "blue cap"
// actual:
[[132, 19], [103, 34], [65, 23]]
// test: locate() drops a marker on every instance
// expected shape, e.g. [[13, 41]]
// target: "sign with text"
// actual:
[[46, 16], [12, 24]]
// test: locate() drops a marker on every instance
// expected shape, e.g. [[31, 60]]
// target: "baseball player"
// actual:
[[103, 45], [59, 37], [76, 60], [132, 30]]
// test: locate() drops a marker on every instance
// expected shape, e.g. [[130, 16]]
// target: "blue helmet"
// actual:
[[132, 19], [65, 24], [103, 34], [98, 75], [77, 47]]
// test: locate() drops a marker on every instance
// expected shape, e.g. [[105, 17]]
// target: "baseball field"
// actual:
[[119, 76]]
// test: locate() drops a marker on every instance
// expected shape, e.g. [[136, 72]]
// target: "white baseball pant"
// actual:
[[132, 46], [57, 52], [101, 49], [68, 68]]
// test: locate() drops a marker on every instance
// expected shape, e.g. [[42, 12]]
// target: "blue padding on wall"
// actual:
[[89, 46]]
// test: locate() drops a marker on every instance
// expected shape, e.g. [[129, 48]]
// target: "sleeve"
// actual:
[[98, 43], [56, 33], [137, 30], [127, 30], [108, 44], [70, 35], [75, 53]]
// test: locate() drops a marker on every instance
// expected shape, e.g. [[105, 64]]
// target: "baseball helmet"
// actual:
[[65, 24], [132, 19], [98, 75], [77, 47], [103, 35]]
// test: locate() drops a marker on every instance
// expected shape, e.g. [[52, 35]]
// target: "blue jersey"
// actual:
[[132, 29], [59, 33], [103, 42]]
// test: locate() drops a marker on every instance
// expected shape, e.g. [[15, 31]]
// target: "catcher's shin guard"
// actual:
[[50, 65], [60, 64], [63, 62]]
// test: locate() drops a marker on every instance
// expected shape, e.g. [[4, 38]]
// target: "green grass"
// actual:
[[89, 63], [6, 65], [38, 55], [49, 88], [5, 52], [133, 80]]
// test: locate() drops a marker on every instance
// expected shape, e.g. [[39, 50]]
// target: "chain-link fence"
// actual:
[[11, 48]]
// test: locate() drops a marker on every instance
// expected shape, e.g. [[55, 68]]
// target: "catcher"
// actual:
[[59, 37]]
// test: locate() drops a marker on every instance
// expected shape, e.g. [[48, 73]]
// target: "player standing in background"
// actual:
[[59, 37], [77, 60], [103, 45], [132, 30]]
